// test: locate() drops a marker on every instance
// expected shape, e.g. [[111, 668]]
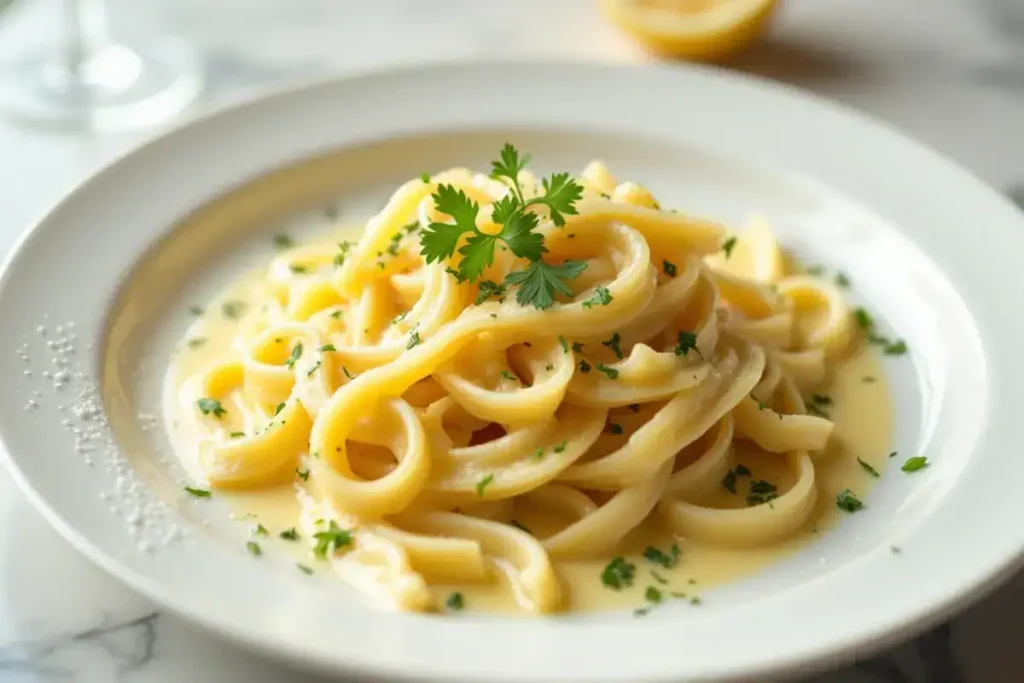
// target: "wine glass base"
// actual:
[[117, 87]]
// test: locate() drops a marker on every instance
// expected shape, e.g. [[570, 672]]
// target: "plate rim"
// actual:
[[809, 661]]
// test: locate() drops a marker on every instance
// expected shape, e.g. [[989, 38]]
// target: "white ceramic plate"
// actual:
[[931, 250]]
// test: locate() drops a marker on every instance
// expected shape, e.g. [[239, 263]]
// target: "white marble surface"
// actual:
[[950, 72]]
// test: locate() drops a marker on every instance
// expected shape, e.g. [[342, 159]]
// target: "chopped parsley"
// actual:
[[670, 268], [847, 501], [584, 366], [327, 347], [259, 530], [613, 344], [211, 406], [483, 484], [254, 548], [618, 574], [666, 560], [564, 342], [560, 447], [868, 468], [279, 408], [509, 376], [331, 541], [414, 339], [488, 288], [297, 268], [289, 534], [425, 177], [600, 297], [283, 241], [295, 355], [686, 342], [577, 347], [727, 246], [615, 428], [864, 319], [455, 602], [653, 595], [198, 493], [316, 366], [302, 474], [195, 342], [195, 310], [303, 568], [611, 372], [915, 463], [237, 435], [842, 280], [761, 492]]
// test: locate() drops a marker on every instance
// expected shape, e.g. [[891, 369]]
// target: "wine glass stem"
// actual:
[[85, 27]]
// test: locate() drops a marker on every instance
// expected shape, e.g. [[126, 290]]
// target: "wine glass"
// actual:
[[92, 81]]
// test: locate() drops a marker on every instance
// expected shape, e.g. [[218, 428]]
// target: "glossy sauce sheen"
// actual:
[[860, 408]]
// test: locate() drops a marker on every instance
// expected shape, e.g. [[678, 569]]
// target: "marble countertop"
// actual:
[[948, 72]]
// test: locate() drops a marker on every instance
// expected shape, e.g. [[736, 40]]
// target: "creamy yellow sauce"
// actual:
[[861, 410]]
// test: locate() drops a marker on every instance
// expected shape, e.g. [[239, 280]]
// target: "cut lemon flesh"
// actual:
[[694, 29]]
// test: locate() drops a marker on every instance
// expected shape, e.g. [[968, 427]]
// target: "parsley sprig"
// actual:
[[540, 281]]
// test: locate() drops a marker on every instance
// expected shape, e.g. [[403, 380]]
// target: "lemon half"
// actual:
[[693, 29]]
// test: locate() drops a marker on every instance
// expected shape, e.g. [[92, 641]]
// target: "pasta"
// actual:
[[416, 413]]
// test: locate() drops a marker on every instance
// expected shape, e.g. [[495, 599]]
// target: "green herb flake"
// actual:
[[611, 372], [618, 574], [560, 447], [868, 468], [195, 342], [327, 348], [283, 241], [303, 568], [915, 463], [584, 366], [483, 484], [509, 376], [600, 297], [659, 557], [613, 344], [670, 268], [686, 342], [289, 534], [298, 269], [195, 310], [727, 246], [211, 406], [254, 548], [455, 602], [425, 177], [331, 540], [259, 530], [414, 339], [198, 493], [652, 595], [302, 474], [842, 280], [295, 355], [615, 428], [847, 501]]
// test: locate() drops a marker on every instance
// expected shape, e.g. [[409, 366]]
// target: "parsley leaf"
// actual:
[[539, 282], [613, 344], [331, 541], [611, 372], [211, 406], [670, 268], [915, 463], [440, 239], [727, 246], [455, 602], [618, 573], [846, 500], [483, 484], [198, 493], [510, 165], [560, 196], [869, 469], [666, 560], [488, 288], [601, 296], [520, 238], [686, 342], [296, 354]]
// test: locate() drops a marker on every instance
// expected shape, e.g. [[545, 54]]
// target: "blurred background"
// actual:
[[83, 80]]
